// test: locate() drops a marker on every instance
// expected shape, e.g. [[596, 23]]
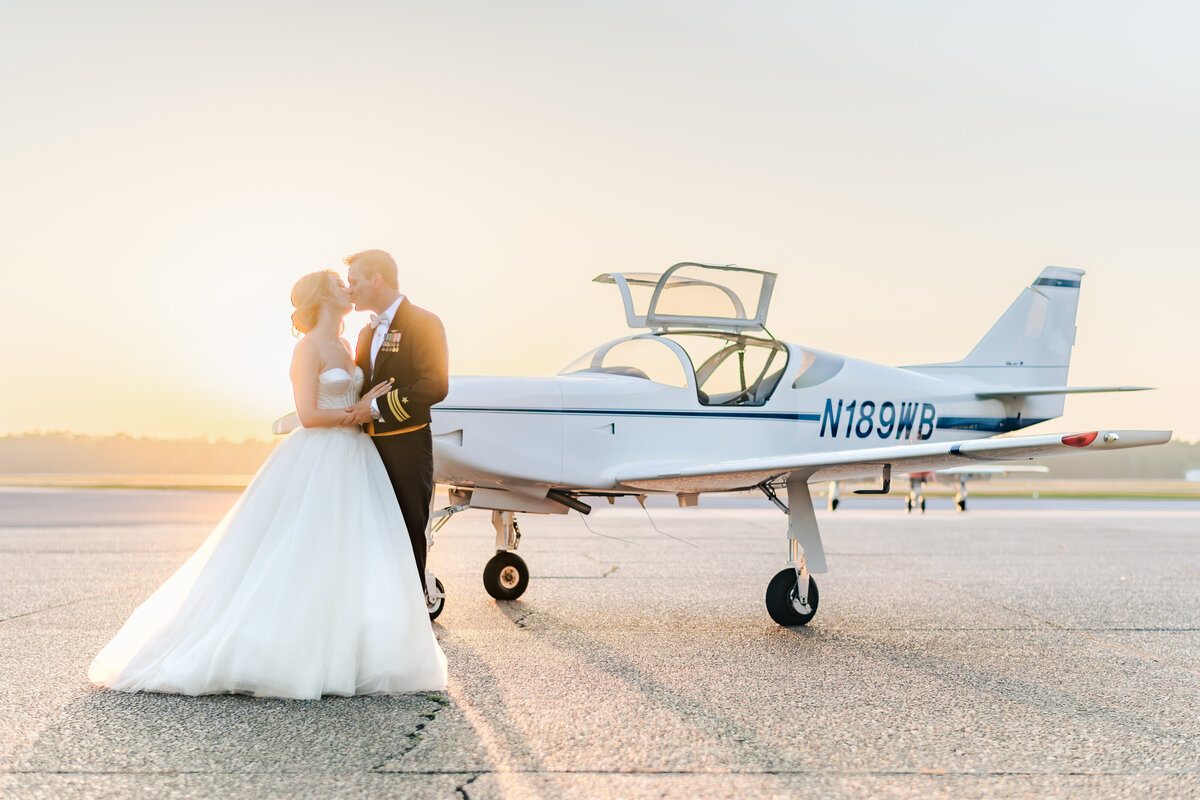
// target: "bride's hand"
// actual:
[[360, 412], [378, 390]]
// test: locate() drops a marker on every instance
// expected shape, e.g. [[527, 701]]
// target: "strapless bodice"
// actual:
[[336, 388]]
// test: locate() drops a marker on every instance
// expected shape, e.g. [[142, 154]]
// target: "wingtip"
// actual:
[[1116, 440]]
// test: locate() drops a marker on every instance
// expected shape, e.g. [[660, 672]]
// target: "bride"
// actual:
[[308, 585]]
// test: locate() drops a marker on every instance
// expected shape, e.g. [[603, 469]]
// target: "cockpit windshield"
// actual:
[[646, 357], [730, 369], [733, 369]]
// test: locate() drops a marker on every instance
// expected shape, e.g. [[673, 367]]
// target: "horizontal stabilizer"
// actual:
[[1030, 391], [848, 464]]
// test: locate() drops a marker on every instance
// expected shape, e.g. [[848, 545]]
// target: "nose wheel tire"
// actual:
[[435, 604], [785, 603], [505, 577]]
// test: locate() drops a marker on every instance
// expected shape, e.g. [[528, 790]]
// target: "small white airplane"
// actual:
[[960, 475], [704, 399]]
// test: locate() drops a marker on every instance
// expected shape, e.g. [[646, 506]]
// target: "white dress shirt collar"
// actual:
[[392, 309]]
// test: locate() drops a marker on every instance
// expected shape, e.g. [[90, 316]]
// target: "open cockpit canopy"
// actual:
[[696, 296]]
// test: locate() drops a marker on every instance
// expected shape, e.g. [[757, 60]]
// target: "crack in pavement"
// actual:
[[461, 789], [413, 737], [63, 605], [477, 774]]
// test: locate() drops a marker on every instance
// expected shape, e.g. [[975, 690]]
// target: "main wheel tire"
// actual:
[[922, 505], [908, 504], [505, 577], [961, 505], [435, 608], [833, 504], [783, 601]]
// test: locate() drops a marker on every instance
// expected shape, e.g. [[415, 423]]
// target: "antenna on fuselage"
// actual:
[[598, 533], [641, 498]]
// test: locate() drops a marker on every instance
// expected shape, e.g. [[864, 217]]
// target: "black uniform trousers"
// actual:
[[408, 458]]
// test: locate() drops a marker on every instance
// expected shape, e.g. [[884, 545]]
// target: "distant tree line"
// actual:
[[1171, 461], [46, 453], [58, 453]]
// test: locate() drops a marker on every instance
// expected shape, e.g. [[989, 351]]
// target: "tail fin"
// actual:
[[1030, 345], [1038, 329]]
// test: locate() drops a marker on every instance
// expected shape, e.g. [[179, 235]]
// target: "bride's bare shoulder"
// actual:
[[303, 348], [306, 355]]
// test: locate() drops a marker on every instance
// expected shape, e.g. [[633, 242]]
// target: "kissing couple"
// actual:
[[307, 586]]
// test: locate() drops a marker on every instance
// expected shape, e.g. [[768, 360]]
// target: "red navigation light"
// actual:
[[1080, 439]]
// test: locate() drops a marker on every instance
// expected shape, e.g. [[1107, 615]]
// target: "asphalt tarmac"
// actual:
[[1023, 649]]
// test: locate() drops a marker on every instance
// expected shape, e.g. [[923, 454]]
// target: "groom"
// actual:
[[407, 346]]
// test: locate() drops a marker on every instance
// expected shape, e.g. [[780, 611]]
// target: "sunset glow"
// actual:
[[906, 169]]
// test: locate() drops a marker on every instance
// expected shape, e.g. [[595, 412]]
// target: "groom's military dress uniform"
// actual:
[[413, 355]]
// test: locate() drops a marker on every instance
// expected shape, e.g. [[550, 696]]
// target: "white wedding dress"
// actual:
[[306, 587]]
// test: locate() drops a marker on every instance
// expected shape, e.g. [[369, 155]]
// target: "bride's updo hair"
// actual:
[[309, 293]]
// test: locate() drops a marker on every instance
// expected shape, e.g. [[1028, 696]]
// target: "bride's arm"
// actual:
[[306, 366]]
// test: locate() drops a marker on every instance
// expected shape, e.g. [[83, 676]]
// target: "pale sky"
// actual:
[[169, 171]]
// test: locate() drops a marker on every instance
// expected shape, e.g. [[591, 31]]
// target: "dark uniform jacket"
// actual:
[[414, 356]]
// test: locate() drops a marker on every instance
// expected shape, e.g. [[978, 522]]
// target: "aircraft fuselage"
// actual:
[[574, 431]]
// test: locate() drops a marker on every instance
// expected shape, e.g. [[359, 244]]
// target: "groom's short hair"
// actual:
[[376, 262]]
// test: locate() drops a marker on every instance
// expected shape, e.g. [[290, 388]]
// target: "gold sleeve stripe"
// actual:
[[397, 409], [403, 430]]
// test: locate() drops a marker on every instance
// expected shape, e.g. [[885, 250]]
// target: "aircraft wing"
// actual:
[[848, 464], [985, 471], [1031, 391]]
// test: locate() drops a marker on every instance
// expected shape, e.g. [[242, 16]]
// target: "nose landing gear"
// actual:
[[505, 577]]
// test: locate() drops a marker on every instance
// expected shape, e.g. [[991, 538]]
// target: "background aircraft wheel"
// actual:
[[833, 504], [435, 608], [784, 603], [505, 576], [961, 505], [908, 504], [922, 505]]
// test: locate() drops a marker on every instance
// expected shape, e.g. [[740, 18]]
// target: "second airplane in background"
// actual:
[[915, 499]]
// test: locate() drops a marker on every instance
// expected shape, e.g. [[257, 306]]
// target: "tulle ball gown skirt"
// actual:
[[306, 587]]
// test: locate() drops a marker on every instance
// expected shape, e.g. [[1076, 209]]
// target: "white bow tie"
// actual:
[[378, 320]]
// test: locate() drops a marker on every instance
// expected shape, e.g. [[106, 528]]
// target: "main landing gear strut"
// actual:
[[792, 594]]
